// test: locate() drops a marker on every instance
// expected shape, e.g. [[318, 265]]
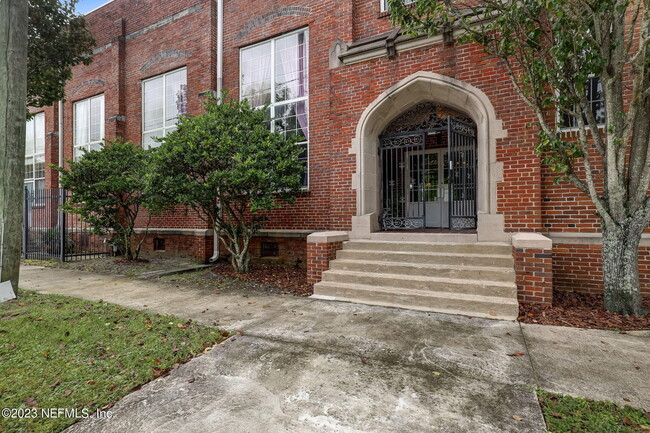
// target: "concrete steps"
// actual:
[[475, 279]]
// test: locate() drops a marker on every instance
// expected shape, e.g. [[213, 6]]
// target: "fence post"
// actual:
[[26, 224], [62, 224]]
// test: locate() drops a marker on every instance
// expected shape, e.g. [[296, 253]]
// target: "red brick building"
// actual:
[[406, 139]]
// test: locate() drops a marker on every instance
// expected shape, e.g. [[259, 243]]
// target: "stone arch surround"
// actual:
[[421, 87]]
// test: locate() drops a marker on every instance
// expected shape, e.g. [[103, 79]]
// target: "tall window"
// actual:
[[595, 99], [275, 73], [164, 98], [384, 4], [88, 125], [35, 153]]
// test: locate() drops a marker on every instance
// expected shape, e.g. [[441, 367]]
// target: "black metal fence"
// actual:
[[51, 234]]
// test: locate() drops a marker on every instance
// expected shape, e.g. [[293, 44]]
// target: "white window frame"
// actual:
[[384, 4], [273, 102], [33, 180], [79, 148], [560, 117], [165, 128]]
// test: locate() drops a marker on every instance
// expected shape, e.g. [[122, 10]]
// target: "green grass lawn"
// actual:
[[577, 415], [60, 352]]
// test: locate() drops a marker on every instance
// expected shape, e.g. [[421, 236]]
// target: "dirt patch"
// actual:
[[581, 310], [288, 279], [119, 266]]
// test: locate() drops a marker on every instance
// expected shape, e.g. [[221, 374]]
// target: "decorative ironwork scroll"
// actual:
[[425, 116]]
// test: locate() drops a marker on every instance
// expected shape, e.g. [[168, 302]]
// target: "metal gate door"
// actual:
[[462, 166], [402, 163], [428, 173]]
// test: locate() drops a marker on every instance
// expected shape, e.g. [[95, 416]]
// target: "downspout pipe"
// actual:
[[60, 138], [216, 247]]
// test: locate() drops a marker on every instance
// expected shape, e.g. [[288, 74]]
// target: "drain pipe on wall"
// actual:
[[60, 137], [216, 246]]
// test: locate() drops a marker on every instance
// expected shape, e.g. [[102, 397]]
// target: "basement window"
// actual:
[[270, 249], [158, 244]]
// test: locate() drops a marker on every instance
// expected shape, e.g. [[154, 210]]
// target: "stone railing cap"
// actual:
[[531, 240], [327, 237]]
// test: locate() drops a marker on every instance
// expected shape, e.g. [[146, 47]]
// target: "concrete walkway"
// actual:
[[305, 365]]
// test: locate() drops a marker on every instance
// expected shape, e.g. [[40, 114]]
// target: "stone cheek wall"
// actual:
[[534, 275], [533, 257]]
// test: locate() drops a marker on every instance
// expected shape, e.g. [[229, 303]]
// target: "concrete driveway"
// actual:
[[304, 365]]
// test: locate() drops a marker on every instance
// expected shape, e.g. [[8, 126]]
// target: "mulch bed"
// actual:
[[581, 310], [289, 279]]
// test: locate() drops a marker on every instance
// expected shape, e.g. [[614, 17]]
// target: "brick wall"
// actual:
[[319, 256], [534, 275], [579, 268], [139, 39]]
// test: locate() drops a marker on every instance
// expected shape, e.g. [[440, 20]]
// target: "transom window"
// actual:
[[276, 73], [88, 125], [35, 154], [164, 99], [384, 4], [595, 99]]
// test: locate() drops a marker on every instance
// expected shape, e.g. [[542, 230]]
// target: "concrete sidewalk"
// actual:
[[316, 366]]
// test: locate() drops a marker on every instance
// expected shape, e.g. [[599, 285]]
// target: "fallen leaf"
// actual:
[[191, 380], [493, 314], [30, 401], [557, 415], [181, 326], [516, 354], [627, 399], [517, 418], [436, 373], [91, 382], [21, 304], [67, 392], [157, 361], [604, 342], [55, 384], [627, 421]]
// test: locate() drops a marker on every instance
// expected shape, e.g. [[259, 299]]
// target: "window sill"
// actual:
[[575, 130]]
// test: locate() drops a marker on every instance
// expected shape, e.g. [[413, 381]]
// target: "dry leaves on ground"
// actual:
[[290, 279], [581, 310]]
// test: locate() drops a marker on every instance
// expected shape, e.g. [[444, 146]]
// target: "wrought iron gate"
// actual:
[[428, 165], [51, 234]]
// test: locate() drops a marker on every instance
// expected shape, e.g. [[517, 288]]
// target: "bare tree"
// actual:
[[553, 50]]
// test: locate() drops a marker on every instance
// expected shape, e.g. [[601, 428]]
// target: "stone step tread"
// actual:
[[481, 283], [468, 313], [500, 300], [418, 307], [434, 254], [469, 268], [374, 241]]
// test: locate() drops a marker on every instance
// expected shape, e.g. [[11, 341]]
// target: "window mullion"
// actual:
[[273, 72]]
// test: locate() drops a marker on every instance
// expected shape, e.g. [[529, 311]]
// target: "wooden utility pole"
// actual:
[[14, 17]]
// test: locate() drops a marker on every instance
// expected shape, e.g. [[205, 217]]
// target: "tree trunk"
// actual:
[[13, 94], [621, 267]]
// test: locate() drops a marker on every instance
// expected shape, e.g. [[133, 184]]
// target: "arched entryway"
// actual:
[[428, 164], [443, 91]]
